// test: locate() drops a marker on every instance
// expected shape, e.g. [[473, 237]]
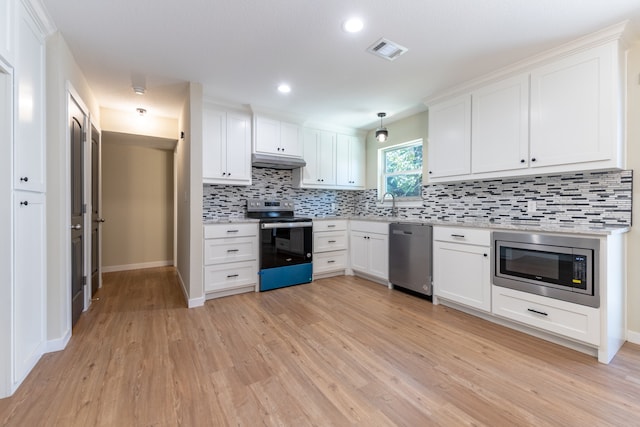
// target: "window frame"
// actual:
[[406, 201]]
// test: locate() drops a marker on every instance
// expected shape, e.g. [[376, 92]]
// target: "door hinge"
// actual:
[[84, 280], [84, 208]]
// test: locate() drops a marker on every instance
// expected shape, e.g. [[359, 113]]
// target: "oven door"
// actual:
[[285, 243]]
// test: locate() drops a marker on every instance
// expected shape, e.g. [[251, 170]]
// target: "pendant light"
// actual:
[[382, 133]]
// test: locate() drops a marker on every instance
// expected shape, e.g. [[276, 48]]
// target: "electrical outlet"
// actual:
[[531, 206]]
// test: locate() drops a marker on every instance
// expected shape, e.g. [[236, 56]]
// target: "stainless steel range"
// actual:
[[286, 244]]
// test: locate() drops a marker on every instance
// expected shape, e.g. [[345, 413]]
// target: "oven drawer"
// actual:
[[229, 276], [469, 236], [329, 241], [214, 231], [329, 261], [217, 251], [570, 320], [329, 225]]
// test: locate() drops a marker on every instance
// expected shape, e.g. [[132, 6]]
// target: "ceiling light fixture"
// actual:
[[139, 90], [382, 133], [353, 25], [284, 88], [141, 111]]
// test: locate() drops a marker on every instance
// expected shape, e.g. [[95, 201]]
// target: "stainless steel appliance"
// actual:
[[410, 256], [286, 244], [560, 267]]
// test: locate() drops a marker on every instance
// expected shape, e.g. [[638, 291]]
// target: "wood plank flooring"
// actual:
[[339, 352]]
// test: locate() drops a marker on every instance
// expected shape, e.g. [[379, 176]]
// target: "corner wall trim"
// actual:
[[58, 344]]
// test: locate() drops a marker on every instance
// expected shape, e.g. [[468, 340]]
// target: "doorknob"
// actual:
[[76, 227], [100, 220]]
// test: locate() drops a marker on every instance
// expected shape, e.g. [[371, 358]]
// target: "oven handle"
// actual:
[[285, 225]]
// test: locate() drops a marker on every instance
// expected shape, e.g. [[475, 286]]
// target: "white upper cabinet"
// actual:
[[319, 151], [449, 152], [561, 116], [226, 148], [575, 109], [29, 148], [350, 162], [6, 29], [276, 137], [500, 126]]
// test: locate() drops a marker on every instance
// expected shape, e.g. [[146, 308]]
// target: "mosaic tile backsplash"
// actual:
[[578, 198]]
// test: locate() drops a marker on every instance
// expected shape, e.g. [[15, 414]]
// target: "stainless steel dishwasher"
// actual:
[[410, 256]]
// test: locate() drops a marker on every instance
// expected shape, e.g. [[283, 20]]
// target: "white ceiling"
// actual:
[[240, 50]]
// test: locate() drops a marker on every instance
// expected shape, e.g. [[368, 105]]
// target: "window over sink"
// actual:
[[400, 168]]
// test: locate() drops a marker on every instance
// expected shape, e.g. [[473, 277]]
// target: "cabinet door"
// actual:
[[237, 150], [29, 281], [290, 140], [450, 138], [29, 166], [461, 274], [359, 250], [327, 158], [574, 108], [379, 255], [267, 135], [500, 123], [310, 173], [350, 161], [214, 135]]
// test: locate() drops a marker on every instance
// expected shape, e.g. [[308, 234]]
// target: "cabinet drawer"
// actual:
[[212, 231], [218, 251], [329, 261], [330, 225], [470, 236], [329, 241], [379, 227], [229, 276], [570, 320]]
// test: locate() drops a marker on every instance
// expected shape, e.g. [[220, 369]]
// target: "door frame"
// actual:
[[88, 179], [74, 96]]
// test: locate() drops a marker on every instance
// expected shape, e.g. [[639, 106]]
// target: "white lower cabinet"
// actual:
[[369, 249], [230, 259], [461, 266], [330, 244], [559, 317]]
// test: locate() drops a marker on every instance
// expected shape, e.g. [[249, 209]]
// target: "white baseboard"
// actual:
[[58, 344], [633, 337], [126, 267], [193, 302]]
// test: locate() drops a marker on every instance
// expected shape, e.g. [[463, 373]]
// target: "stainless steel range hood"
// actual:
[[276, 162]]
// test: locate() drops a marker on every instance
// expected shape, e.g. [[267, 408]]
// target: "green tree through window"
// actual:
[[402, 169]]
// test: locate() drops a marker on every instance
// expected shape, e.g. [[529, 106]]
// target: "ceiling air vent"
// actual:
[[387, 49]]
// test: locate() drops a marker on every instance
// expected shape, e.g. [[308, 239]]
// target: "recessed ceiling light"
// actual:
[[353, 25], [141, 111], [284, 88]]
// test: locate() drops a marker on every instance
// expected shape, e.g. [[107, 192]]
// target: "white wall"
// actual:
[[61, 70], [189, 197], [633, 162], [132, 123]]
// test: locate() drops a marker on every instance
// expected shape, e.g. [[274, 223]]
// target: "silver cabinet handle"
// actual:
[[232, 231], [76, 227], [331, 241], [331, 225], [230, 276], [233, 250], [458, 235]]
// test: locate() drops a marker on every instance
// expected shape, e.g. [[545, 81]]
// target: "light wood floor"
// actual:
[[338, 352]]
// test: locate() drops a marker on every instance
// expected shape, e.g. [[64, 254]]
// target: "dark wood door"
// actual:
[[77, 138]]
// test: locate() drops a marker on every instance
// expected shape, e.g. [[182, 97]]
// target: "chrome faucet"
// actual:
[[394, 209]]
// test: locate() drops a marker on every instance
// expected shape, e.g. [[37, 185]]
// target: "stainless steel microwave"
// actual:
[[559, 267]]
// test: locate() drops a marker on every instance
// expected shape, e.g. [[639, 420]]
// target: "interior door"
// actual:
[[95, 211], [77, 119]]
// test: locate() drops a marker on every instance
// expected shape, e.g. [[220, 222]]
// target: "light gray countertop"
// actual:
[[601, 230], [594, 229]]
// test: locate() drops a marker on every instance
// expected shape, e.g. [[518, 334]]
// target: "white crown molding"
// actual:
[[41, 16], [618, 32]]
